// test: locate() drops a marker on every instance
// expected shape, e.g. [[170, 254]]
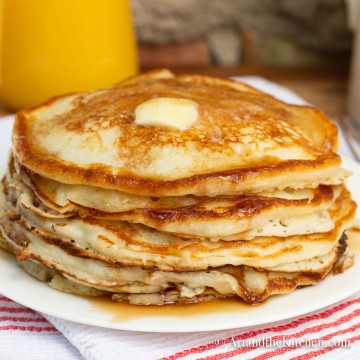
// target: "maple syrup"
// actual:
[[124, 312]]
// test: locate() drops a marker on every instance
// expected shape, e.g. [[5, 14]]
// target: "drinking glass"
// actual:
[[51, 47]]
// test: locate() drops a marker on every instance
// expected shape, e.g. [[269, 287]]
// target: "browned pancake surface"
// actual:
[[241, 135]]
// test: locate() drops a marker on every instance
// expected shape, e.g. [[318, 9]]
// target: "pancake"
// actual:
[[233, 148], [131, 244], [228, 218], [144, 287], [66, 198]]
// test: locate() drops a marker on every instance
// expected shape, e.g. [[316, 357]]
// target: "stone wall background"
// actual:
[[231, 32]]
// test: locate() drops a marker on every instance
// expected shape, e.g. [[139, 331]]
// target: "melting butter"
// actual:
[[171, 113]]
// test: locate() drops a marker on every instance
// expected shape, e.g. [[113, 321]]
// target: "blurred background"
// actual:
[[312, 47], [306, 33], [305, 45], [49, 48]]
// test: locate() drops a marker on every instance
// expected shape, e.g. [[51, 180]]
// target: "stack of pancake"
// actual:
[[245, 200]]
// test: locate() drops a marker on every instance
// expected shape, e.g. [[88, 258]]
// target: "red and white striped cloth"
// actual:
[[26, 334], [331, 332]]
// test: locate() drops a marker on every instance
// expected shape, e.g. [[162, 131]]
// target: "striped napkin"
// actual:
[[329, 332], [26, 334]]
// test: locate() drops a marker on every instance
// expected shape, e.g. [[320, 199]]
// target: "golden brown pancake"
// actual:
[[243, 141], [138, 286], [277, 213], [128, 244]]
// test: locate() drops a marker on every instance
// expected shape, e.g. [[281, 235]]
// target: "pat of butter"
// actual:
[[170, 113]]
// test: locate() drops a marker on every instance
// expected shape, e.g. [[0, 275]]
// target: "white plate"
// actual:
[[16, 284]]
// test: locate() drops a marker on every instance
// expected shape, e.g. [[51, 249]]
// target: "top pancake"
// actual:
[[243, 141]]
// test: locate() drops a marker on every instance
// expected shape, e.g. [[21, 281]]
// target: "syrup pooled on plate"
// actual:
[[124, 312], [353, 240]]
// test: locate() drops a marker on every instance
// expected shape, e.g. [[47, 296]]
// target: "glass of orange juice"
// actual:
[[51, 47]]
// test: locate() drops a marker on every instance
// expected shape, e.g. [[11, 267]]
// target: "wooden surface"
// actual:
[[325, 88]]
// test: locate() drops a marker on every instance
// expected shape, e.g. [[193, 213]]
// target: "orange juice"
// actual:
[[51, 47]]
